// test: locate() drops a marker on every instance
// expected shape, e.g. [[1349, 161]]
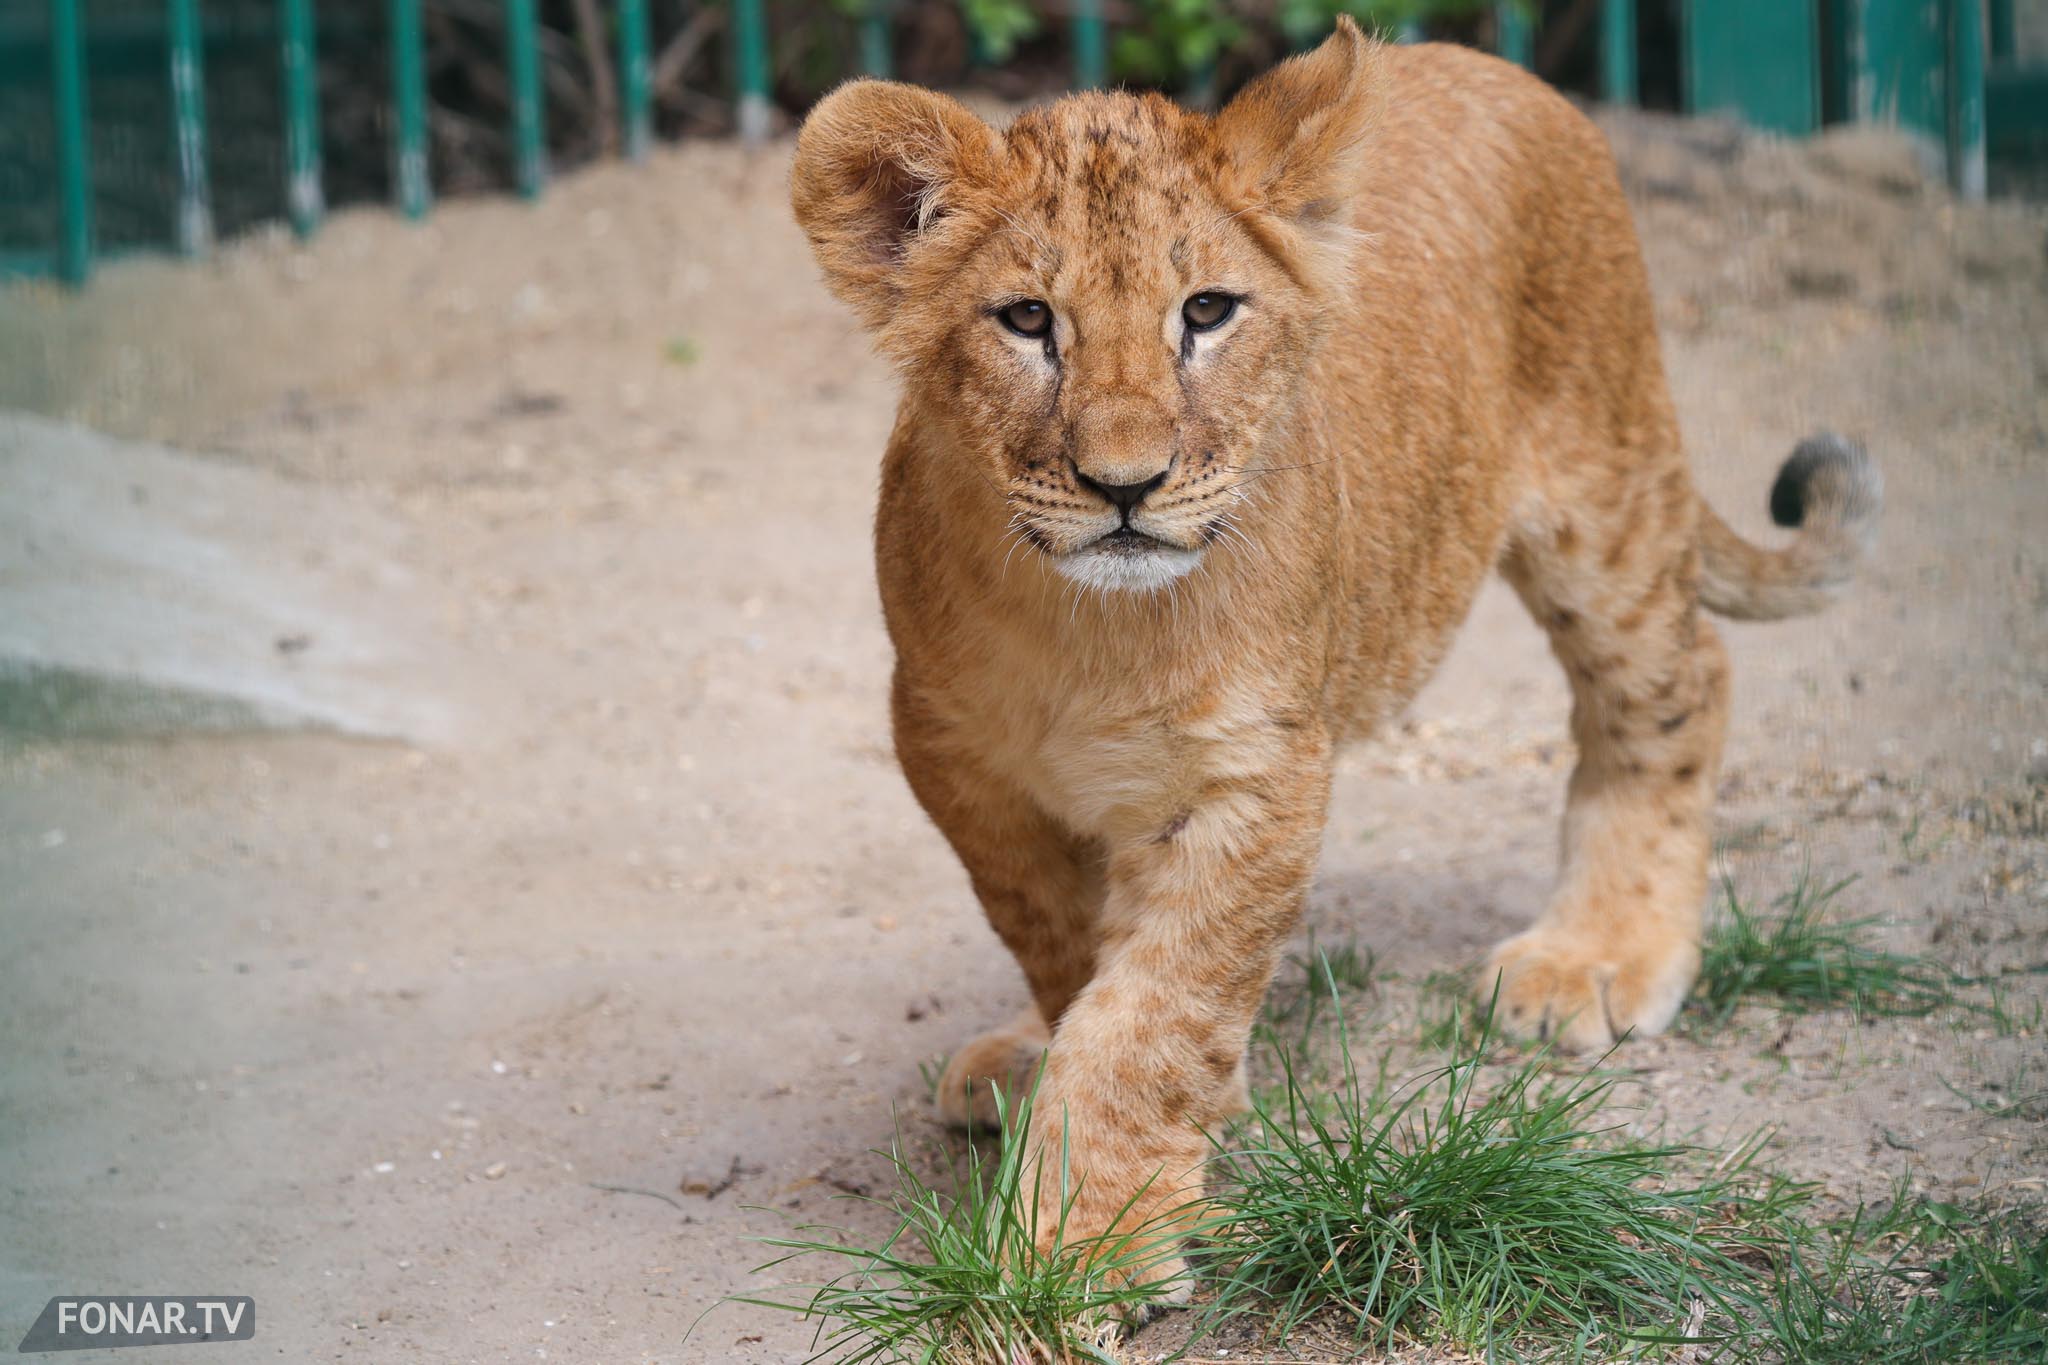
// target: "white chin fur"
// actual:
[[1114, 571]]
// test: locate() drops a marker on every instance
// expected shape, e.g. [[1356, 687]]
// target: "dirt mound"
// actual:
[[1853, 214]]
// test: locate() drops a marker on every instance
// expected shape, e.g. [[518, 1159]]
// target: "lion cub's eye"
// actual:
[[1027, 318], [1206, 312]]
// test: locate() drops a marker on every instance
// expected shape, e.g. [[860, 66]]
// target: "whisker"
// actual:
[[1253, 475], [1016, 536], [1227, 524]]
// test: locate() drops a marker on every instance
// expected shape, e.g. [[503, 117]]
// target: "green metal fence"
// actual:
[[1780, 64], [49, 48]]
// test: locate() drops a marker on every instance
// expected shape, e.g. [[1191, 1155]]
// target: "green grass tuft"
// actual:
[[1801, 961], [1306, 997], [2008, 1017], [932, 1070], [2018, 1096], [1446, 1018], [1950, 1288], [1489, 1217], [961, 1279]]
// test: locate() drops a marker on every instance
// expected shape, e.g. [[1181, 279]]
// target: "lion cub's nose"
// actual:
[[1121, 446], [1123, 496]]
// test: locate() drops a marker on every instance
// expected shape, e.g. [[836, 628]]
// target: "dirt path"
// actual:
[[493, 1048]]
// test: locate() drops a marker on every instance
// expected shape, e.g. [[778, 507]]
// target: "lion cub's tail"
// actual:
[[1832, 492]]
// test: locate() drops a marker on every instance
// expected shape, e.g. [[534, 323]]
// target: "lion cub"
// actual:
[[1211, 428]]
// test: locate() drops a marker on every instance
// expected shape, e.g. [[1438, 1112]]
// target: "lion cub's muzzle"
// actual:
[[1133, 550]]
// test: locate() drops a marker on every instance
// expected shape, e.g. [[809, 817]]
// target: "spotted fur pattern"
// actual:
[[1442, 361]]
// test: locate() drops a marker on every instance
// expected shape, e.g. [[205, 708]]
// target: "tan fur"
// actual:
[[1445, 362]]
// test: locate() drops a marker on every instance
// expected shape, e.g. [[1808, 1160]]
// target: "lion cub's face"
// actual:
[[1120, 344], [1110, 305]]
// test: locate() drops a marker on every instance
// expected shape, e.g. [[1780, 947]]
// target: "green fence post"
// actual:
[[1757, 59], [1966, 170], [529, 129], [188, 124], [1618, 51], [304, 198], [1091, 46], [2001, 30], [750, 48], [874, 40], [74, 150], [1513, 33], [411, 180], [635, 98]]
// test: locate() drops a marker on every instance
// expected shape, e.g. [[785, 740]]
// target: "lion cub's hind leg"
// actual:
[[1004, 1059], [1617, 948]]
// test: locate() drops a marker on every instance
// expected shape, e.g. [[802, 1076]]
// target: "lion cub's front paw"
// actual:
[[1008, 1057], [1122, 1197], [1585, 995], [1171, 1283], [1144, 1253]]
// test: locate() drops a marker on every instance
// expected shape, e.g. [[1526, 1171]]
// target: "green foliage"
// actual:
[[997, 26], [1306, 21], [1178, 43], [1175, 41]]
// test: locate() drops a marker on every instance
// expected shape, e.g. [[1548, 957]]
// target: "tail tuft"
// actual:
[[1831, 491], [1829, 477]]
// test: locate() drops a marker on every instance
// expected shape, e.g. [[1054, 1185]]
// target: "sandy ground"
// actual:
[[501, 1045]]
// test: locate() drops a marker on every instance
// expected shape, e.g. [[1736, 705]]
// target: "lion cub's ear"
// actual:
[[1299, 133], [878, 166]]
